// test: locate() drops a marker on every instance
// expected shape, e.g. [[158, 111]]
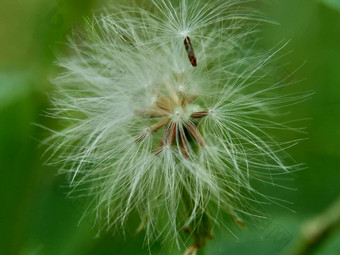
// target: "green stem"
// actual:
[[317, 230], [200, 228]]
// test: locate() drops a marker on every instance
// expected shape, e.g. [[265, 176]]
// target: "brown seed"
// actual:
[[197, 115], [196, 134], [183, 142], [154, 128], [171, 133], [160, 124], [152, 113], [163, 103], [190, 51], [140, 137], [159, 148], [187, 100]]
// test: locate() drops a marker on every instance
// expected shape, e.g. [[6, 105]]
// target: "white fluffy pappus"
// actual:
[[146, 131]]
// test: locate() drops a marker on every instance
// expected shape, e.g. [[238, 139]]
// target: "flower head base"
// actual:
[[177, 117], [177, 141]]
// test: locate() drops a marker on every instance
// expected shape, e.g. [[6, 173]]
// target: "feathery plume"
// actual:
[[167, 112]]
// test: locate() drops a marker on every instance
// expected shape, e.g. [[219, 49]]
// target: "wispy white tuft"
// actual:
[[144, 131]]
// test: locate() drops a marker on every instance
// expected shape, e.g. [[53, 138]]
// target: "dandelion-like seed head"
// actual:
[[176, 115], [166, 114]]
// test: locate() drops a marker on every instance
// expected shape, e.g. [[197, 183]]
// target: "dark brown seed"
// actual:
[[197, 115], [190, 51]]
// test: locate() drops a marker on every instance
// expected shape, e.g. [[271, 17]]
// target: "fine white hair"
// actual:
[[129, 59]]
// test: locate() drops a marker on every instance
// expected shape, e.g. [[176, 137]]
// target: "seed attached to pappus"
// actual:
[[190, 51], [164, 108]]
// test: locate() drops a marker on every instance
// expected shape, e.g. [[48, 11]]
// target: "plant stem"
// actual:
[[316, 231]]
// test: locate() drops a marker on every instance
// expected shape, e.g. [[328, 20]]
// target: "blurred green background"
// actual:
[[35, 215]]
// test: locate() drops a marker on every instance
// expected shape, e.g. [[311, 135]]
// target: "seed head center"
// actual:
[[177, 114], [178, 120]]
